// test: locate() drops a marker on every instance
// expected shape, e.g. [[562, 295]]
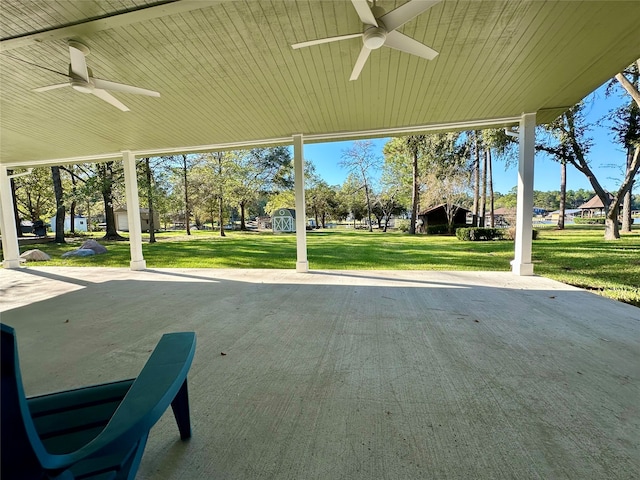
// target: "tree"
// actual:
[[34, 196], [404, 157], [148, 176], [57, 187], [447, 179], [626, 126], [360, 160], [259, 171], [108, 175], [571, 135], [283, 199]]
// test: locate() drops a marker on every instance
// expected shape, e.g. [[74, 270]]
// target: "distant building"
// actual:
[[594, 207], [79, 223], [569, 215], [122, 219], [438, 216], [284, 220]]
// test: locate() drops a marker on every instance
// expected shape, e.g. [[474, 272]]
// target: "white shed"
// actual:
[[79, 222], [284, 220]]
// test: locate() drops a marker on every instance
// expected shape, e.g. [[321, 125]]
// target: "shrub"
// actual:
[[402, 225], [589, 220], [441, 229], [476, 234], [510, 234]]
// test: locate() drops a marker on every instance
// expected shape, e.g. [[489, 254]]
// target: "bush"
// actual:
[[402, 225], [440, 229], [476, 234], [510, 234], [589, 220]]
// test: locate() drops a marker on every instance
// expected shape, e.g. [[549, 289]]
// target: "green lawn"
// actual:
[[577, 255]]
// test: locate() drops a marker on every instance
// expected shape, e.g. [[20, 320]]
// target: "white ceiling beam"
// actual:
[[317, 138], [157, 10]]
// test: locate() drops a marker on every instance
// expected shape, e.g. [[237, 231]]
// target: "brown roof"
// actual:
[[595, 202], [504, 211]]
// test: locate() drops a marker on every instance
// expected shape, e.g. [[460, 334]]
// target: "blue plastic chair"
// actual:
[[97, 432]]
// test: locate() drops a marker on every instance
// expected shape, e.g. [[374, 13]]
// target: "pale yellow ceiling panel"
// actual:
[[227, 73]]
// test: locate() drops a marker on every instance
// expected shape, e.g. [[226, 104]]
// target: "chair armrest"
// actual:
[[146, 401]]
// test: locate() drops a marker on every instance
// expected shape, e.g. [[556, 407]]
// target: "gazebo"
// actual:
[[228, 77]]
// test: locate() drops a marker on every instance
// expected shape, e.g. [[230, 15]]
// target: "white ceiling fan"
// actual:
[[380, 30], [82, 80]]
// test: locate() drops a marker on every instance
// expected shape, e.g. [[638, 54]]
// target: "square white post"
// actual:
[[521, 264], [133, 211], [302, 265], [10, 247]]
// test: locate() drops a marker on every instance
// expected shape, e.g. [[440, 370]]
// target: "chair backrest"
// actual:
[[18, 437]]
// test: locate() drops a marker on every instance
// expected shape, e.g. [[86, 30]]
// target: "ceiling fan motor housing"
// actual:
[[374, 37]]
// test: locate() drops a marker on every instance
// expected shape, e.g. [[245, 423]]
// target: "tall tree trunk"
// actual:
[[187, 215], [72, 209], [611, 228], [491, 195], [242, 205], [366, 193], [415, 192], [483, 192], [152, 224], [476, 181], [16, 214], [57, 189], [563, 194], [221, 216], [627, 217], [106, 176]]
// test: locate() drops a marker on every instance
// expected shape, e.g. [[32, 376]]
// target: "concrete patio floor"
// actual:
[[352, 374]]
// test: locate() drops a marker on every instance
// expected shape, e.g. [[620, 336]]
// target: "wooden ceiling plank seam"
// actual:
[[199, 104], [463, 79], [239, 38], [605, 54], [527, 29], [474, 57], [409, 86], [438, 73], [518, 79], [530, 75], [294, 70], [274, 96], [293, 93], [229, 85]]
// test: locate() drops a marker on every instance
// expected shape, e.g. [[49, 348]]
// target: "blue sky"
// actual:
[[326, 156]]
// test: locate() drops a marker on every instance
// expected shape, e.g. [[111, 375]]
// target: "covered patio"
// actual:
[[351, 374], [325, 374]]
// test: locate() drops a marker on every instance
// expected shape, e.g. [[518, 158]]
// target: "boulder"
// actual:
[[95, 246], [35, 256], [81, 252]]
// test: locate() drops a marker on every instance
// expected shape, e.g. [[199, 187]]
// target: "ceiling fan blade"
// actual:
[[325, 40], [401, 15], [406, 44], [362, 59], [107, 97], [78, 63], [364, 12], [121, 87], [51, 87]]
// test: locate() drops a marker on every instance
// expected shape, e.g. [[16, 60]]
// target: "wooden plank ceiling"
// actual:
[[227, 73]]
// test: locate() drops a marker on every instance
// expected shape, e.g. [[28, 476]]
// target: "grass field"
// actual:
[[577, 256]]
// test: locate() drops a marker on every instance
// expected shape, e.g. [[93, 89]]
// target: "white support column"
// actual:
[[133, 211], [521, 264], [10, 247], [302, 265]]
